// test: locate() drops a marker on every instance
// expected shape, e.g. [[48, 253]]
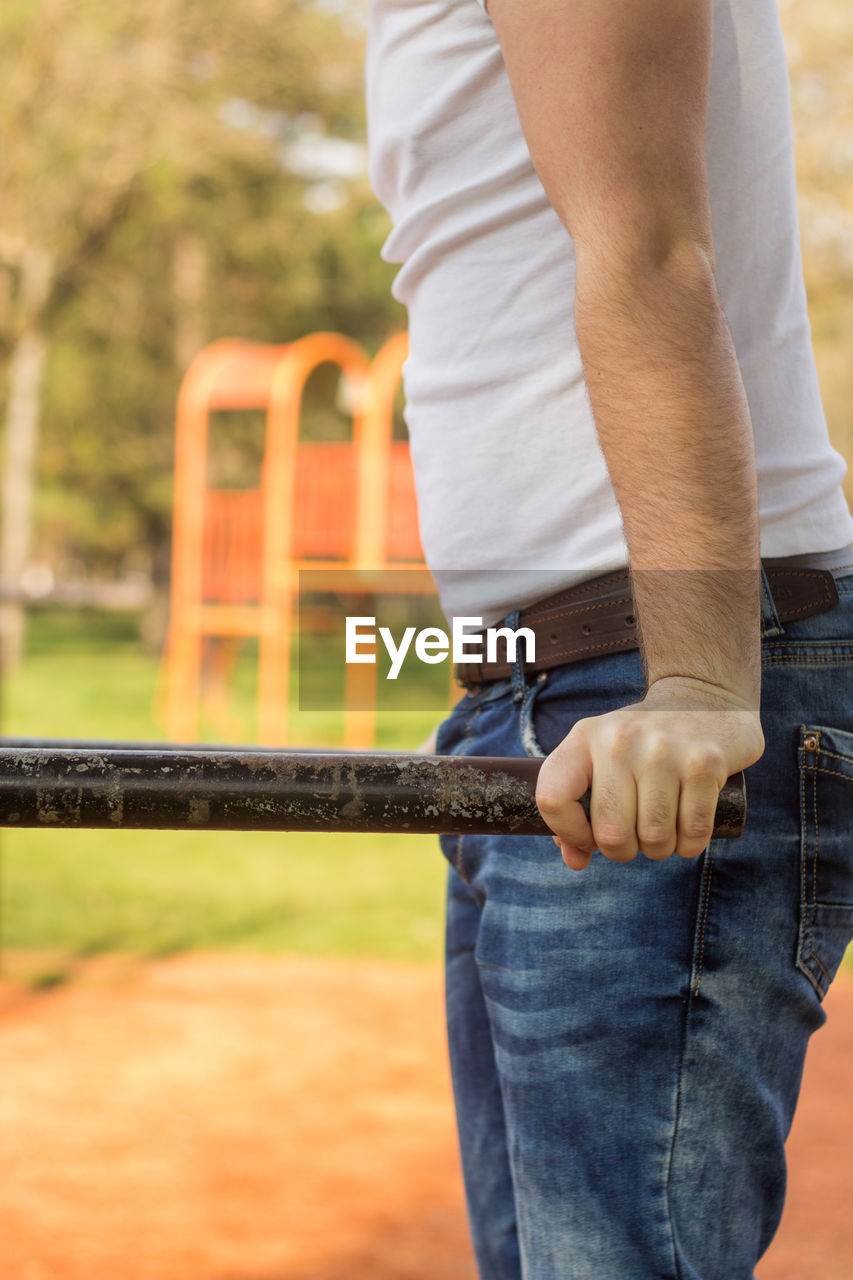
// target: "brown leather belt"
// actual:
[[597, 617]]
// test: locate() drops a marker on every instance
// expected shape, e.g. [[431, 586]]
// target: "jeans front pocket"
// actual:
[[557, 699], [826, 852], [529, 737]]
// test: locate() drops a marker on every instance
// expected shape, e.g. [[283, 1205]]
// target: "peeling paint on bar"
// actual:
[[126, 786]]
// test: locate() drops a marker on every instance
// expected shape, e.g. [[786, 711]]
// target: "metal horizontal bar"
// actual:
[[246, 789]]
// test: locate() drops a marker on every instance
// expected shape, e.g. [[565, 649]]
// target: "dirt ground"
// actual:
[[212, 1118]]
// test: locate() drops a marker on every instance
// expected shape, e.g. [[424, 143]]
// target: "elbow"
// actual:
[[628, 260], [632, 282], [650, 297]]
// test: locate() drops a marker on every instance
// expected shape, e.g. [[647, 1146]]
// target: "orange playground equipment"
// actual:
[[237, 553]]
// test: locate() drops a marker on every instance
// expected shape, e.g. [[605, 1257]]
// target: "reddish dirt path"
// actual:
[[210, 1118]]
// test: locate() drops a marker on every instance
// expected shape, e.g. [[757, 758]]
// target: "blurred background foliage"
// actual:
[[819, 41], [172, 173]]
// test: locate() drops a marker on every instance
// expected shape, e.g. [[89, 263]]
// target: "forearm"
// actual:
[[674, 426]]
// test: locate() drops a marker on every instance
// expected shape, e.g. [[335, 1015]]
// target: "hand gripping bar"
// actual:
[[139, 785]]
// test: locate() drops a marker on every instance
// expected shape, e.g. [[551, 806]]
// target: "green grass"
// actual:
[[76, 893], [156, 893]]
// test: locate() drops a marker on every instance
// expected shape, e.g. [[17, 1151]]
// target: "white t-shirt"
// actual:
[[510, 474]]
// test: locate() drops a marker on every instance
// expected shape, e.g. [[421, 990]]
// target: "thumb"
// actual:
[[563, 778]]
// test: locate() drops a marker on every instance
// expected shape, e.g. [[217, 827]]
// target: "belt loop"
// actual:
[[770, 624], [519, 684]]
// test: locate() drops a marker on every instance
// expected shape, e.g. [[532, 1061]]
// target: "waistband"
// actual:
[[597, 617]]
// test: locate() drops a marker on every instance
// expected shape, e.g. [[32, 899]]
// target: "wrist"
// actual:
[[702, 625], [672, 685]]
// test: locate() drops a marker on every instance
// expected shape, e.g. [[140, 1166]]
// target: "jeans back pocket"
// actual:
[[826, 852]]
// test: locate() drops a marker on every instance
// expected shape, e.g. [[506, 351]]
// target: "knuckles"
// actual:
[[549, 801], [610, 836], [636, 746], [700, 829], [705, 761], [657, 836], [620, 855]]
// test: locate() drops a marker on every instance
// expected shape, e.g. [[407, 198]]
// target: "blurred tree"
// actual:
[[819, 41], [171, 173]]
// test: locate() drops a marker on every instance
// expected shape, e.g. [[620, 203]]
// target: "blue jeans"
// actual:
[[627, 1042]]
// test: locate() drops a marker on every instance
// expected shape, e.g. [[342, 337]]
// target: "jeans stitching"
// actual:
[[771, 661], [679, 1081], [831, 773], [696, 982], [804, 895], [813, 954], [813, 861], [835, 755], [808, 891], [820, 966], [707, 873]]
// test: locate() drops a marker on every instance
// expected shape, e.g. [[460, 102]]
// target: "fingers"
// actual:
[[658, 814], [659, 810], [613, 813], [576, 859], [566, 773], [696, 809]]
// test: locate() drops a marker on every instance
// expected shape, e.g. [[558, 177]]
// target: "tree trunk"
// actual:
[[25, 376], [26, 370]]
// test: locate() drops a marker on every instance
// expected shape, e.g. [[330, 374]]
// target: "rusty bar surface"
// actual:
[[246, 789]]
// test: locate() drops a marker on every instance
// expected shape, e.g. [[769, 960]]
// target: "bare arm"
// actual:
[[612, 97]]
